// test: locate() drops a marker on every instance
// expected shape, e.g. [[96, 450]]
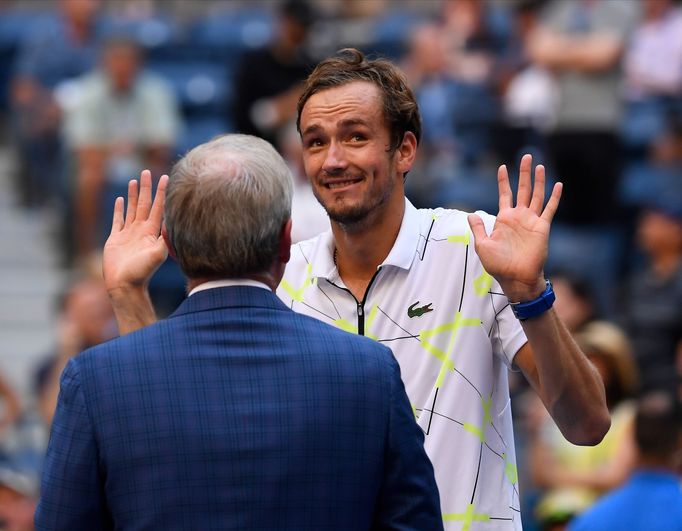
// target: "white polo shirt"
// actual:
[[454, 335]]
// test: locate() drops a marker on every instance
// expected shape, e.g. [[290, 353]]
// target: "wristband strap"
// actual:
[[526, 310]]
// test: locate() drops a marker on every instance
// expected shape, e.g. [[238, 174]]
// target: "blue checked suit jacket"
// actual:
[[236, 413]]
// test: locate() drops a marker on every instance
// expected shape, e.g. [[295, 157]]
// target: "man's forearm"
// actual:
[[567, 382], [133, 308]]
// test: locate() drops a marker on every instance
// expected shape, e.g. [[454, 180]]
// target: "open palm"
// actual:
[[515, 251], [135, 249]]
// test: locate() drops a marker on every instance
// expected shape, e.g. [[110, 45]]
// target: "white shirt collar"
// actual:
[[227, 282], [401, 255]]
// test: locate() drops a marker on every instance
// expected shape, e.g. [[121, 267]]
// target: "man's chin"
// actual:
[[348, 216]]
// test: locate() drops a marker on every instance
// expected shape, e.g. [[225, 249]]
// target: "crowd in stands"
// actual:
[[93, 94]]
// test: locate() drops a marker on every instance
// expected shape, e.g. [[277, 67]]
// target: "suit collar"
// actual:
[[229, 297]]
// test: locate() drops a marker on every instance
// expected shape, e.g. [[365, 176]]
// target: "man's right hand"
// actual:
[[134, 251]]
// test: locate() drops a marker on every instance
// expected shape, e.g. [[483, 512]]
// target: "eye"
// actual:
[[313, 142], [357, 137]]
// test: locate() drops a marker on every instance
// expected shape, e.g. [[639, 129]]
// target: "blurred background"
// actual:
[[94, 91]]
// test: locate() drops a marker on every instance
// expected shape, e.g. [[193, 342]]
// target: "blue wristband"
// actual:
[[526, 310]]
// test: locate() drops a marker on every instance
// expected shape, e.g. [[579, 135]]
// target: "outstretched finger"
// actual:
[[553, 203], [538, 199], [503, 188], [156, 214], [117, 220], [132, 202], [477, 228], [144, 203], [523, 193]]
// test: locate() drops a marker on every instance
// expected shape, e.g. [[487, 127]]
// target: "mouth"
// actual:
[[336, 185]]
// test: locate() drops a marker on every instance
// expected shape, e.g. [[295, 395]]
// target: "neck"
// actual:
[[361, 248]]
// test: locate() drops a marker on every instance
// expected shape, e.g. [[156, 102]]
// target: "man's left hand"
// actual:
[[516, 250]]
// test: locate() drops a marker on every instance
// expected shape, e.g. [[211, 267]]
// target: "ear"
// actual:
[[285, 242], [406, 153], [166, 239]]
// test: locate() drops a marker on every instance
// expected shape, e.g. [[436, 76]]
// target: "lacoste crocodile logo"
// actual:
[[418, 312]]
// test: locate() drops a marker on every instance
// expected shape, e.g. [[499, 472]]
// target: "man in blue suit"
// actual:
[[235, 412]]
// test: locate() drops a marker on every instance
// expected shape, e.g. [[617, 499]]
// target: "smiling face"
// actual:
[[346, 154]]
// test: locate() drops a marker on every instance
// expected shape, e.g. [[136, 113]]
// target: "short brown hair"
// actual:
[[401, 111]]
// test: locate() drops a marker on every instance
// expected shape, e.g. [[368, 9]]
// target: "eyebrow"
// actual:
[[311, 129], [345, 124]]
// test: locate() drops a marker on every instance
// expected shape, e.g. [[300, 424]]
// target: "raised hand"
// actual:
[[516, 250], [135, 248]]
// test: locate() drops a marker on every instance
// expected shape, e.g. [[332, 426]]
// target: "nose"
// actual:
[[335, 159]]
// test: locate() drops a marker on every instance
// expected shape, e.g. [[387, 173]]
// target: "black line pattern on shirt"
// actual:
[[426, 240], [433, 408], [410, 334], [464, 277], [396, 339], [329, 299], [496, 314], [478, 473], [318, 311], [497, 322]]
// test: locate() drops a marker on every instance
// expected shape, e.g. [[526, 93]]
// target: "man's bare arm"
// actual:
[[515, 254], [134, 251]]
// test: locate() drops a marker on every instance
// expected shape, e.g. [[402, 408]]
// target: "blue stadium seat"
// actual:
[[645, 183], [198, 130], [152, 32], [14, 26], [225, 35], [645, 120], [202, 87], [391, 32], [594, 253]]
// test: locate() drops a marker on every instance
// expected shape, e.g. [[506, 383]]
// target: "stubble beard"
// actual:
[[354, 218]]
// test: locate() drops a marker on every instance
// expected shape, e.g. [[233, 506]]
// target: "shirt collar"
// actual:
[[227, 282], [401, 255]]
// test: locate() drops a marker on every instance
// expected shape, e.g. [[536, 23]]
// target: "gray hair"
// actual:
[[226, 203]]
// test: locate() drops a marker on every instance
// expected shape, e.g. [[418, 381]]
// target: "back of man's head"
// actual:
[[658, 426], [226, 205]]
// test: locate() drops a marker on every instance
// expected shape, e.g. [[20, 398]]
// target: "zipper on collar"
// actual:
[[360, 305]]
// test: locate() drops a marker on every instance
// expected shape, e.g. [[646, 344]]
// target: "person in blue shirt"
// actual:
[[652, 498]]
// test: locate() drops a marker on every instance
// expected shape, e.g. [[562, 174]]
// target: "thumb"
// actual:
[[477, 227]]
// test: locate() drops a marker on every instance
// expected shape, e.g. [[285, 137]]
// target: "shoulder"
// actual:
[[453, 219], [306, 253]]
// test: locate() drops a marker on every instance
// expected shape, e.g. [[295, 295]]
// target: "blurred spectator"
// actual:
[[10, 406], [60, 48], [85, 319], [575, 303], [268, 81], [473, 44], [582, 42], [123, 120], [651, 500], [18, 500], [653, 61], [653, 302], [427, 69], [573, 476], [527, 91], [308, 216]]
